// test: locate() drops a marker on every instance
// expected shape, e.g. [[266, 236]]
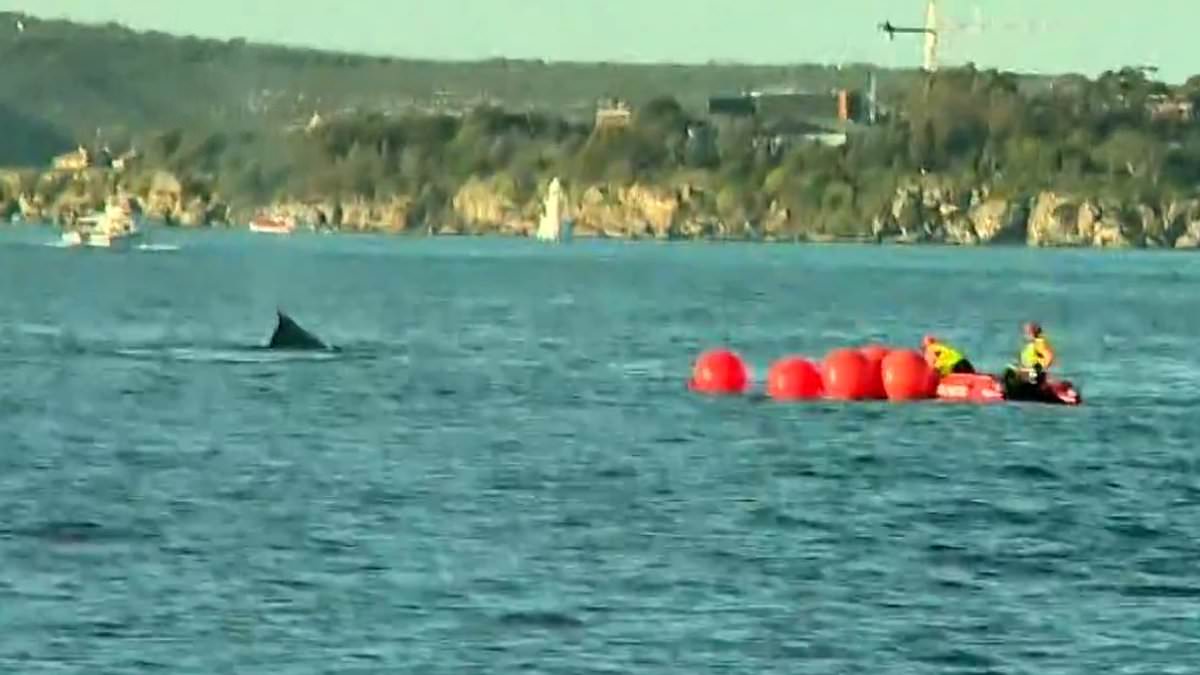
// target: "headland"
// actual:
[[206, 133]]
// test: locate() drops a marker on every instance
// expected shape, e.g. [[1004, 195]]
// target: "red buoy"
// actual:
[[720, 371], [874, 354], [794, 378], [906, 376], [844, 372]]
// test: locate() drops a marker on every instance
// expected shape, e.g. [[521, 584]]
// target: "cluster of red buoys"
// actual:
[[868, 373]]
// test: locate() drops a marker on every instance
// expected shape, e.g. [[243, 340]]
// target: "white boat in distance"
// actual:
[[554, 226], [116, 227], [265, 224]]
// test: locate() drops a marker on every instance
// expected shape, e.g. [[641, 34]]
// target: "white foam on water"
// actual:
[[38, 329], [645, 368], [231, 356]]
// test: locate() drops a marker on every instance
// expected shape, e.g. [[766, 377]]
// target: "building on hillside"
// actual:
[[78, 160], [796, 105], [842, 105], [1168, 108], [779, 137], [613, 114], [742, 105], [124, 161]]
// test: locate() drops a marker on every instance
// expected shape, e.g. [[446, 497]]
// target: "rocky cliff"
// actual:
[[61, 196], [926, 210], [932, 212]]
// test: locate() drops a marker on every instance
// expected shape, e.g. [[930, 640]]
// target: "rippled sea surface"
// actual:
[[503, 472]]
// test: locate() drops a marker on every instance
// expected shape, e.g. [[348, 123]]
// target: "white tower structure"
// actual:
[[930, 60]]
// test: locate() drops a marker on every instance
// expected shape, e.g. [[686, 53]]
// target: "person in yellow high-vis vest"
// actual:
[[943, 358], [1037, 355]]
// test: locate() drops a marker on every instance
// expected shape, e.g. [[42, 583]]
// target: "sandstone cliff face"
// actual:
[[164, 198], [1182, 222], [486, 205], [391, 216], [62, 196], [936, 212], [197, 212], [1190, 238], [1000, 221], [634, 211], [10, 186], [929, 209], [1066, 220]]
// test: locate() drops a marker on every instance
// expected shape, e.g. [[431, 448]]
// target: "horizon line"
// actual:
[[712, 62]]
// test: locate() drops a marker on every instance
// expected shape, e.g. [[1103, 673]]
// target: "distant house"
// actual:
[[833, 139], [778, 137], [797, 105], [78, 160], [732, 106], [613, 114], [314, 122], [839, 104], [1163, 107], [124, 160]]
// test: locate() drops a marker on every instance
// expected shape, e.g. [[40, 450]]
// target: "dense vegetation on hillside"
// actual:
[[1082, 132], [79, 78], [25, 140], [973, 127], [227, 119]]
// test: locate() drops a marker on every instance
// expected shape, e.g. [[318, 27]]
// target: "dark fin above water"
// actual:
[[289, 335]]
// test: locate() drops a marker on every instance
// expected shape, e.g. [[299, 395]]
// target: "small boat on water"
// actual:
[[985, 388], [265, 224], [116, 227], [554, 226]]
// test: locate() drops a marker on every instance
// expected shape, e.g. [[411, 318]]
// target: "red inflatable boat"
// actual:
[[983, 388]]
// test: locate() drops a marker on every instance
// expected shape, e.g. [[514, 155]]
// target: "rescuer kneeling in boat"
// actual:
[[944, 358], [1037, 355]]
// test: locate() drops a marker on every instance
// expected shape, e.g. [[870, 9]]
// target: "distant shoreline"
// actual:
[[590, 238], [960, 155]]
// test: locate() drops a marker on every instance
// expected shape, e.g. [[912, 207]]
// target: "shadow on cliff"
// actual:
[[27, 141]]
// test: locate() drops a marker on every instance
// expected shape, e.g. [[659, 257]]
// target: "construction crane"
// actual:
[[891, 30], [938, 28], [929, 30]]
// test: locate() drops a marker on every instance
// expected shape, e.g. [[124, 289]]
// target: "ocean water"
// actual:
[[503, 472]]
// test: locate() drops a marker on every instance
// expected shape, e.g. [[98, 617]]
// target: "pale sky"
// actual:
[[1047, 36]]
